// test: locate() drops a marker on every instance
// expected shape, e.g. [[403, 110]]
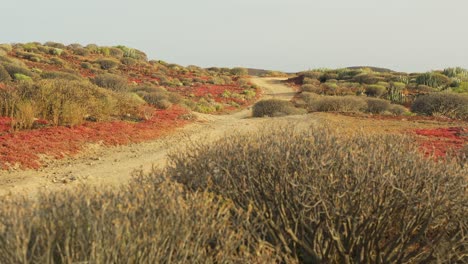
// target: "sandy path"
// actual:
[[113, 166]]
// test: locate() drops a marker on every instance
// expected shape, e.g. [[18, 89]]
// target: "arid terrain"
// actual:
[[114, 165], [98, 164]]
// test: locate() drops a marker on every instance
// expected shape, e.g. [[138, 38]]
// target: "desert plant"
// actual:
[[433, 79], [86, 65], [447, 104], [6, 47], [128, 61], [377, 106], [61, 75], [4, 75], [338, 104], [24, 115], [150, 221], [375, 90], [116, 53], [55, 45], [112, 82], [13, 68], [274, 107], [397, 109], [454, 72], [22, 78], [238, 71], [311, 88], [326, 198], [107, 64], [81, 52]]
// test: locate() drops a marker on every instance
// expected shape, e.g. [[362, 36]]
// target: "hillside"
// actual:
[[68, 96]]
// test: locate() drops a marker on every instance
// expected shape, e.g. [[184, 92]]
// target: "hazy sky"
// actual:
[[288, 35]]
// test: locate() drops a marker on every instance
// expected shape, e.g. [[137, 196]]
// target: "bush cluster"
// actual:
[[326, 198], [316, 103], [446, 104], [112, 82], [150, 221], [274, 107]]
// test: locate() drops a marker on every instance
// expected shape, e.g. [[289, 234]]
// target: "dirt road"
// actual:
[[113, 166]]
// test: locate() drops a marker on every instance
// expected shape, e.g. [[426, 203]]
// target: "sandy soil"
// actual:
[[113, 166]]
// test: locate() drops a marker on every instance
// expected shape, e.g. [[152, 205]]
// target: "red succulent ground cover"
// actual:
[[440, 141], [26, 147]]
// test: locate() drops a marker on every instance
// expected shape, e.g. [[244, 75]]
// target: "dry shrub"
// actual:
[[150, 221], [24, 115], [326, 198], [4, 75], [107, 64], [274, 107], [398, 109], [311, 88], [339, 104], [111, 81], [377, 106], [446, 104]]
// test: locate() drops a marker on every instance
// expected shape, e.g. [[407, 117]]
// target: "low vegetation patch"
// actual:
[[325, 198], [274, 107], [451, 105]]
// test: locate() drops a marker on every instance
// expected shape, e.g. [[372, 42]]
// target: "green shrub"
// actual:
[[133, 53], [274, 107], [112, 82], [446, 104], [330, 198], [375, 90], [107, 64], [377, 106], [454, 72], [462, 88], [433, 79], [22, 78], [4, 75]]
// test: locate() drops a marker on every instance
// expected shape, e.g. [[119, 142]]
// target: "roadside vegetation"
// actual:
[[381, 91], [50, 88], [281, 195]]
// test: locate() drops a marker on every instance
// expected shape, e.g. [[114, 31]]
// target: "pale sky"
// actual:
[[287, 35]]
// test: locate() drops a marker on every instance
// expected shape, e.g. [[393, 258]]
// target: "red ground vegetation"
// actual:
[[26, 147], [441, 141]]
